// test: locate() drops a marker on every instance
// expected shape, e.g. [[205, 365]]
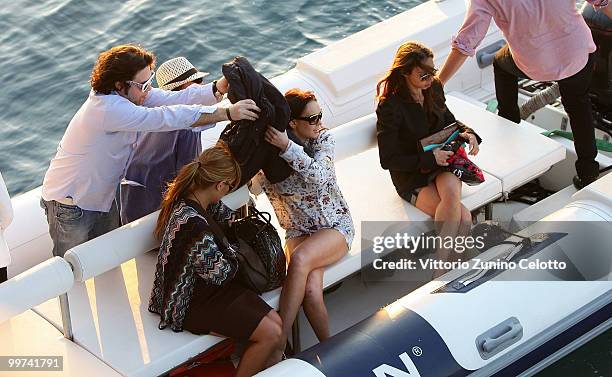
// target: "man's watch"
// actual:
[[214, 89]]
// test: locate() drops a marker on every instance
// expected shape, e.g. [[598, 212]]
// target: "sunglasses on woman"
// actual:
[[312, 119], [428, 75], [143, 86]]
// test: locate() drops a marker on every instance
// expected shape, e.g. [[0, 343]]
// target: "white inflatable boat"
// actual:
[[492, 324], [499, 326]]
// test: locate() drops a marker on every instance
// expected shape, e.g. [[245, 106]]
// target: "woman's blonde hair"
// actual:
[[214, 165]]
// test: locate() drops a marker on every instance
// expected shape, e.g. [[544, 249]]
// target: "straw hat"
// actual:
[[176, 72]]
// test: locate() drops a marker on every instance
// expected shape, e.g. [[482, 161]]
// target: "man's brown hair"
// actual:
[[120, 63]]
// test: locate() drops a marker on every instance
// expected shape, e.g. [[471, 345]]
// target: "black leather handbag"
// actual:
[[262, 265]]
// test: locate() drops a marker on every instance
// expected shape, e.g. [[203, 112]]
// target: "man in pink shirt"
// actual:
[[548, 40]]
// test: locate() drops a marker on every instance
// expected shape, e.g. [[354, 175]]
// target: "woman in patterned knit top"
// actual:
[[310, 207], [194, 288]]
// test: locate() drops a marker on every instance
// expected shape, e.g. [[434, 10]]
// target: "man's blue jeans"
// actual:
[[70, 225]]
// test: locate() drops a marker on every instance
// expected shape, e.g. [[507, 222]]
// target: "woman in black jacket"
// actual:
[[411, 105]]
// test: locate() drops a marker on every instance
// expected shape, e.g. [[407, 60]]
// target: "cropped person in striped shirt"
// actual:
[[194, 287]]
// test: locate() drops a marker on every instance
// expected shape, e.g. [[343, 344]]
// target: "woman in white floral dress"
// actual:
[[310, 207]]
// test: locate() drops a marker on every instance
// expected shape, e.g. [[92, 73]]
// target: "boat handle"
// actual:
[[485, 56], [489, 344], [499, 337]]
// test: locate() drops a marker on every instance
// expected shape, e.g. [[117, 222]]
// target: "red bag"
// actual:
[[464, 169], [215, 362], [449, 139]]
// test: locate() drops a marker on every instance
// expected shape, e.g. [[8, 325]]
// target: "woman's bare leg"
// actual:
[[264, 341], [314, 306], [292, 244], [466, 221], [428, 199], [441, 199], [464, 230], [448, 212], [318, 250]]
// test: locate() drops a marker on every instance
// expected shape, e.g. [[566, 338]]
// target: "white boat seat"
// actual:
[[42, 282], [356, 141], [355, 137], [106, 252], [28, 235], [110, 319], [515, 154], [371, 195]]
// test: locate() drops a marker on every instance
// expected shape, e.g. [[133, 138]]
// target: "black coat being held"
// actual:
[[245, 138]]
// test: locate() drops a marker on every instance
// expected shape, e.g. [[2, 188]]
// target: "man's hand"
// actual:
[[222, 85], [277, 138], [245, 109], [474, 148], [442, 156]]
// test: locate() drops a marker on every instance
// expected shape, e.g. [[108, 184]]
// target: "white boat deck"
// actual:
[[28, 334]]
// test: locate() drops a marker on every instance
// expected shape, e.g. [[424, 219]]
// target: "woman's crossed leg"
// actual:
[[309, 255]]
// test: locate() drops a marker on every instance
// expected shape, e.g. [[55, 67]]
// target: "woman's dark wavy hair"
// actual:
[[119, 64], [408, 56], [297, 100]]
